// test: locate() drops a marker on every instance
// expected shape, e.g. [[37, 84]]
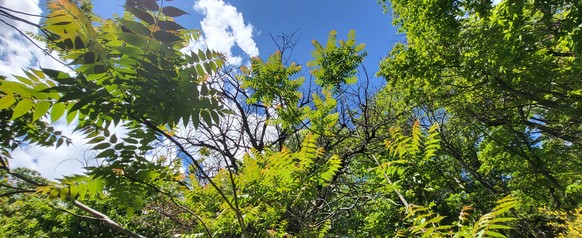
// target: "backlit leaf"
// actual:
[[40, 110], [150, 4], [173, 11], [144, 16], [169, 25], [136, 27], [165, 36], [133, 39], [7, 101], [57, 111], [21, 108]]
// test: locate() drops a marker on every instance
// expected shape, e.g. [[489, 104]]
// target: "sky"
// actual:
[[308, 19], [239, 28]]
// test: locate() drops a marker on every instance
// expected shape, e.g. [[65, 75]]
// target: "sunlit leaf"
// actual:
[[21, 108], [40, 110]]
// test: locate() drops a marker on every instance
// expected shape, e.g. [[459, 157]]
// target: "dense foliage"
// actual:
[[476, 133]]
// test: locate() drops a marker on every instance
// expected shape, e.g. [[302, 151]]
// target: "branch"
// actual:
[[159, 190], [97, 215], [16, 192], [198, 166], [105, 219]]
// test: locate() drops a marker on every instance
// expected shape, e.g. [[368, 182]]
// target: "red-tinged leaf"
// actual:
[[173, 11], [170, 25], [150, 4], [144, 16]]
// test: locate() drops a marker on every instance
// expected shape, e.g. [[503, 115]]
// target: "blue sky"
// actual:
[[309, 19], [315, 19]]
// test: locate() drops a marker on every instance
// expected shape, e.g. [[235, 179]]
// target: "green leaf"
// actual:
[[196, 118], [173, 11], [201, 55], [96, 140], [207, 67], [54, 192], [206, 117], [21, 108], [165, 36], [113, 139], [23, 80], [129, 50], [92, 188], [79, 44], [57, 111], [133, 39], [40, 110], [71, 116], [64, 192], [106, 153], [215, 116], [495, 234], [101, 146], [73, 191], [82, 190], [130, 211], [7, 101], [200, 70], [135, 27]]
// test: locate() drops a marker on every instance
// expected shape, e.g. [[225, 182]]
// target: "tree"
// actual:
[[212, 151], [502, 82], [126, 71]]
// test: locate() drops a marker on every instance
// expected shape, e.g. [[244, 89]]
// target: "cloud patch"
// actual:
[[17, 53], [224, 27]]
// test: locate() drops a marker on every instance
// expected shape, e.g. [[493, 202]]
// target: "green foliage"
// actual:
[[128, 71], [499, 81], [272, 186], [427, 224], [481, 102], [272, 86], [335, 64]]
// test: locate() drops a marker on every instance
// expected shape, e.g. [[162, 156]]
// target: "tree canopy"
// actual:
[[475, 134]]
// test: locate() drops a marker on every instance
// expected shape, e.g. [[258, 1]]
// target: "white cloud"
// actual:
[[223, 27], [54, 162], [17, 53]]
